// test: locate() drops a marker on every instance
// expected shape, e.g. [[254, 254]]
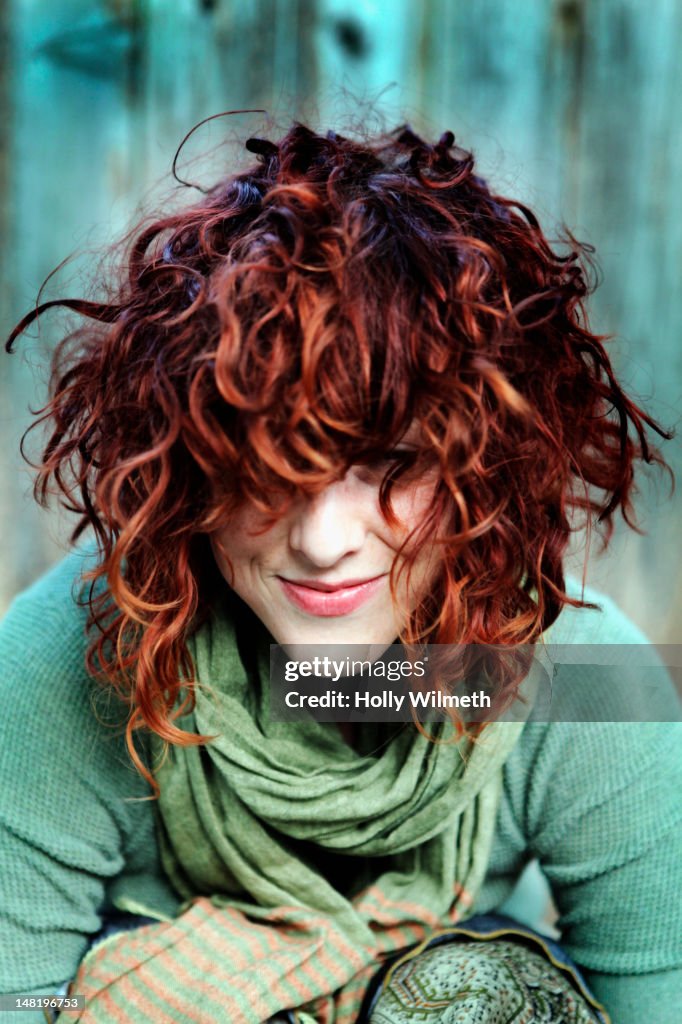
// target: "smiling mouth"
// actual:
[[330, 599]]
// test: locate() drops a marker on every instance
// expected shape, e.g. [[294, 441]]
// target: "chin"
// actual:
[[336, 633], [363, 650]]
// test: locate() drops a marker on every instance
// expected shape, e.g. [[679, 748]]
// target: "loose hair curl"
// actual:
[[298, 319]]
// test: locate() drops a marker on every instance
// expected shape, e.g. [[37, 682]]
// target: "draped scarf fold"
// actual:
[[303, 862]]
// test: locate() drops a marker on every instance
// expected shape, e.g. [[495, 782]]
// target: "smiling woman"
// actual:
[[349, 396], [331, 557]]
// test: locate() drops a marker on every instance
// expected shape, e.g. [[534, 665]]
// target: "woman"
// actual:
[[349, 396]]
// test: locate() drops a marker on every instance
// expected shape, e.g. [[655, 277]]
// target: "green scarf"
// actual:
[[304, 862]]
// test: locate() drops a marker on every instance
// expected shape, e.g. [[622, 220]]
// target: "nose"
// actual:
[[329, 526]]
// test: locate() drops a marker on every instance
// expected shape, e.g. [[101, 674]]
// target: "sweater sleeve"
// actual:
[[599, 804], [63, 824]]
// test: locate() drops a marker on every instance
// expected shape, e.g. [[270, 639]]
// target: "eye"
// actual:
[[394, 461]]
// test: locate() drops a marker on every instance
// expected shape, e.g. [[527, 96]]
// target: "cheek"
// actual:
[[412, 504], [245, 545], [233, 545]]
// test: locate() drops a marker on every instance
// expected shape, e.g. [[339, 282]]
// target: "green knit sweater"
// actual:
[[598, 804]]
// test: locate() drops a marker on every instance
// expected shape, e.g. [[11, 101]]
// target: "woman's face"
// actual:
[[320, 574]]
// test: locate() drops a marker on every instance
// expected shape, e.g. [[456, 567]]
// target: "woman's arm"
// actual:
[[606, 826], [640, 997], [600, 804], [64, 822]]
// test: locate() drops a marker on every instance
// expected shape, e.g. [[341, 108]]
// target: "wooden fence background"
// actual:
[[571, 105]]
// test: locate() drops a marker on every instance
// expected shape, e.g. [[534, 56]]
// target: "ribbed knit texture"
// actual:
[[597, 803]]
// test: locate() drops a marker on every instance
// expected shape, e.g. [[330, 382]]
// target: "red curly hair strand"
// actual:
[[299, 319]]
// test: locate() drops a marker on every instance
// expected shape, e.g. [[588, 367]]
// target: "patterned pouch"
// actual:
[[490, 970]]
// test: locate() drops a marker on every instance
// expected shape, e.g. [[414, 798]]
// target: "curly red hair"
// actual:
[[298, 319]]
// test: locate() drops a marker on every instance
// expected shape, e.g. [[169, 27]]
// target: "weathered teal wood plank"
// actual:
[[70, 184]]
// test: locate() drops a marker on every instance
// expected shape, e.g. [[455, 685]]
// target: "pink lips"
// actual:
[[328, 599]]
